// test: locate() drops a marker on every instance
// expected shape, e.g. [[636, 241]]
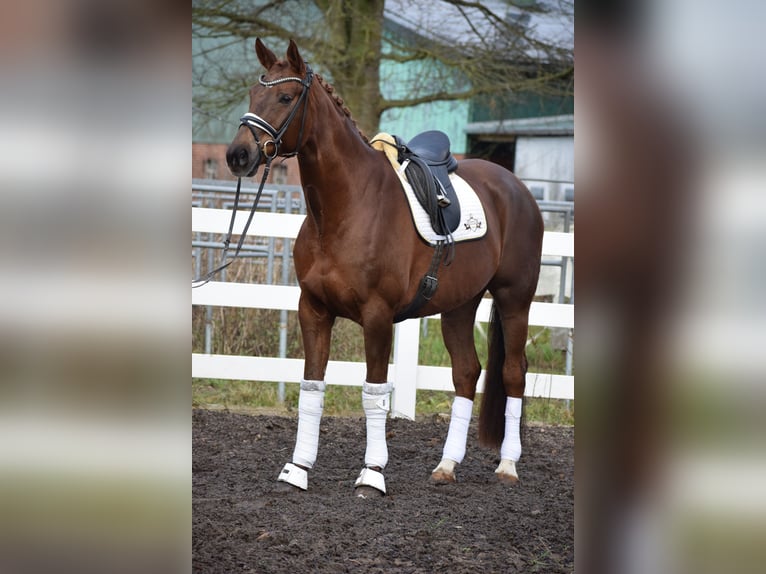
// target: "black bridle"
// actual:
[[255, 122]]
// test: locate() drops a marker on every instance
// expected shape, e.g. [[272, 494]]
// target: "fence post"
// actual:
[[286, 265], [406, 345]]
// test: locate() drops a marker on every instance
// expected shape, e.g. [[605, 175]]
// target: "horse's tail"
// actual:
[[492, 414]]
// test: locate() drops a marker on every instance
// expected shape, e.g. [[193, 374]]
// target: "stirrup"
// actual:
[[295, 475], [373, 478]]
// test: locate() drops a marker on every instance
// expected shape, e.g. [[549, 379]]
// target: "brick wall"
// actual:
[[209, 161]]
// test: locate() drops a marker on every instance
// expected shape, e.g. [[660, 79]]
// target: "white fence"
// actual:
[[404, 372]]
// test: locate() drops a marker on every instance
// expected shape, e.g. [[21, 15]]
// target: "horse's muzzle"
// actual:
[[242, 160]]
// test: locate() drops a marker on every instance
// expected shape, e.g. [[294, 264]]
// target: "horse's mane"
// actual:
[[339, 101]]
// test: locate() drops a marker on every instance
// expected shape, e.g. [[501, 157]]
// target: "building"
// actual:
[[527, 133]]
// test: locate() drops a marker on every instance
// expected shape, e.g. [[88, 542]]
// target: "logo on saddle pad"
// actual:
[[473, 221]]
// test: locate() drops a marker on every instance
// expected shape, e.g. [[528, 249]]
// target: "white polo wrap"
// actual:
[[511, 447], [310, 407], [376, 400], [454, 446]]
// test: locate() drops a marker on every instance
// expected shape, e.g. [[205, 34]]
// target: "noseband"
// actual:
[[253, 122]]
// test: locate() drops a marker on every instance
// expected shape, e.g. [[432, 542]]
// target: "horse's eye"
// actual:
[[285, 99]]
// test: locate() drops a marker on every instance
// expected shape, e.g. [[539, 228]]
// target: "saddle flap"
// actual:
[[435, 192]]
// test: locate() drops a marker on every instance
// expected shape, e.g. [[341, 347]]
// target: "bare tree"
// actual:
[[456, 49]]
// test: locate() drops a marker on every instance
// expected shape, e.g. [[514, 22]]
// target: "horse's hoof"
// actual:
[[440, 477], [508, 479], [368, 492], [506, 472], [444, 473]]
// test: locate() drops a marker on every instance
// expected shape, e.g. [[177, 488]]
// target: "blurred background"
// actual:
[[669, 163], [95, 441]]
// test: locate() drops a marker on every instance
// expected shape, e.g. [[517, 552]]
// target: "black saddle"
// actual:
[[430, 163]]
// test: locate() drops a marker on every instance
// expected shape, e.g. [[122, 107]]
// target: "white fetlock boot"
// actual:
[[310, 407], [376, 400]]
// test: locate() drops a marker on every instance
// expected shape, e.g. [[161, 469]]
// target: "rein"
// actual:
[[253, 121]]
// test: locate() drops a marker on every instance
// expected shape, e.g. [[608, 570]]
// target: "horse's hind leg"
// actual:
[[457, 330], [514, 316]]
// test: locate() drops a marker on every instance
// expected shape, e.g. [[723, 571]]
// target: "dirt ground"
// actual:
[[242, 524]]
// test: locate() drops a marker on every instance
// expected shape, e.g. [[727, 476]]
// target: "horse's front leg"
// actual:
[[376, 400], [316, 328]]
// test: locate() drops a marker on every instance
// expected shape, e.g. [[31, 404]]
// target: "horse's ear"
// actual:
[[294, 58], [265, 56]]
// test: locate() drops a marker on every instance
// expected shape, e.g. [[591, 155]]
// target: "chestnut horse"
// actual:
[[358, 256]]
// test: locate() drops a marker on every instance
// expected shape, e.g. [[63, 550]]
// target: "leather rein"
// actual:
[[255, 122]]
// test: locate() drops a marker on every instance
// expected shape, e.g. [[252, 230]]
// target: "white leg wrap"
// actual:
[[511, 447], [310, 407], [454, 447], [376, 400]]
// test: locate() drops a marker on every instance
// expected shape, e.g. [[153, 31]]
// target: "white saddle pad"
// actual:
[[473, 221]]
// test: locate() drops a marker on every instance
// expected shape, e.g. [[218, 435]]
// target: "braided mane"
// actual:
[[339, 101]]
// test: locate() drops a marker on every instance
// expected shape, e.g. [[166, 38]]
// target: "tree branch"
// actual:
[[500, 57]]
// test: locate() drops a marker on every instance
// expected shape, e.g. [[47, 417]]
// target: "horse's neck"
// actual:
[[330, 162]]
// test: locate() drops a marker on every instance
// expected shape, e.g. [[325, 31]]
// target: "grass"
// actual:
[[253, 396]]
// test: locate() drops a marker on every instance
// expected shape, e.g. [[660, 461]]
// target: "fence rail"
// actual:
[[405, 372]]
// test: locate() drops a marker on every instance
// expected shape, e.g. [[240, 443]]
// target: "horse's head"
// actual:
[[275, 120]]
